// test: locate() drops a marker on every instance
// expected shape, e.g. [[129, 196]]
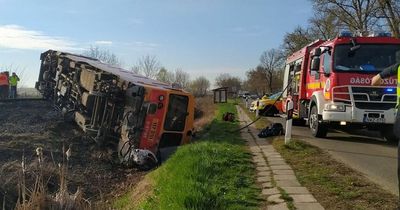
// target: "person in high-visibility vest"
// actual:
[[4, 85], [14, 79], [377, 80]]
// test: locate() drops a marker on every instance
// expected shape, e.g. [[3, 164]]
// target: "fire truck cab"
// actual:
[[329, 83]]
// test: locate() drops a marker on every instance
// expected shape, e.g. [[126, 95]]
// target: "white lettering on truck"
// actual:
[[367, 81]]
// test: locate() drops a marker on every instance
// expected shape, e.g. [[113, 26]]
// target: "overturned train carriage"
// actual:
[[113, 105]]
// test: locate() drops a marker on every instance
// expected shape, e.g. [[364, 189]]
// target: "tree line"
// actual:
[[328, 19], [149, 66]]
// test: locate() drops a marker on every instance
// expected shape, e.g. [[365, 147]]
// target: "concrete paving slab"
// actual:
[[257, 155], [275, 156], [267, 185], [287, 183], [285, 177], [281, 206], [264, 179], [264, 173], [276, 162], [263, 168], [280, 167], [269, 154], [275, 198], [303, 198], [267, 147], [255, 148], [271, 191], [283, 172], [261, 163], [276, 159], [259, 160], [296, 190], [308, 206]]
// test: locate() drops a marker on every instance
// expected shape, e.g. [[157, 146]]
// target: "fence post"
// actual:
[[289, 121], [257, 104]]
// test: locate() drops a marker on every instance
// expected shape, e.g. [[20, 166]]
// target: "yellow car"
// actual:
[[267, 105]]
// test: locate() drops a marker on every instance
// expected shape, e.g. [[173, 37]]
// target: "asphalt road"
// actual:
[[362, 150]]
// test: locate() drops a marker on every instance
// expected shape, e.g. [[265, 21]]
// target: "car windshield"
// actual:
[[367, 57], [275, 96]]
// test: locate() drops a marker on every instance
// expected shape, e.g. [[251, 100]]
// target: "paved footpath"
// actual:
[[274, 175]]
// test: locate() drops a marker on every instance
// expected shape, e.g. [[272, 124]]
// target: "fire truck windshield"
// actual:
[[177, 112], [367, 57]]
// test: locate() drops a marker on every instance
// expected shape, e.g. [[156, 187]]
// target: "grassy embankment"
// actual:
[[213, 173], [335, 185]]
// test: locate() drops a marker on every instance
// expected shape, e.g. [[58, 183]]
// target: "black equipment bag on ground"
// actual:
[[275, 129]]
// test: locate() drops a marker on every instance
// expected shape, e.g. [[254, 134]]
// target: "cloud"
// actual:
[[17, 37], [103, 42]]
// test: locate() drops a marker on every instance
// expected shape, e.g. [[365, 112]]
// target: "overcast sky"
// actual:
[[203, 37]]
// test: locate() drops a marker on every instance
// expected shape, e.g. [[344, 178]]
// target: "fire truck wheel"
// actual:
[[388, 134], [317, 129]]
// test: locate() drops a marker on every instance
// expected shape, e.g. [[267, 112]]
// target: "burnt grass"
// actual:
[[27, 125]]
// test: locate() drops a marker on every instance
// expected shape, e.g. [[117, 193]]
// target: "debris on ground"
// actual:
[[275, 129], [228, 116], [28, 125]]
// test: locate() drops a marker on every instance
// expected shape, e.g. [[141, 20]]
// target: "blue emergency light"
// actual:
[[390, 90]]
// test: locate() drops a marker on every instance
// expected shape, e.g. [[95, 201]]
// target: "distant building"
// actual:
[[220, 95]]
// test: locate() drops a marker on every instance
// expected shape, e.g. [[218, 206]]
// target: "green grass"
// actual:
[[213, 173], [261, 123], [333, 184]]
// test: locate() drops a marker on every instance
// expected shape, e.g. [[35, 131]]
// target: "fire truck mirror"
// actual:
[[317, 52], [315, 64]]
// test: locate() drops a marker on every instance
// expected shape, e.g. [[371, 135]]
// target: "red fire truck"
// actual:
[[329, 83]]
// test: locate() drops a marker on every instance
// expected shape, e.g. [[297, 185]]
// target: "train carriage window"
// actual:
[[177, 112]]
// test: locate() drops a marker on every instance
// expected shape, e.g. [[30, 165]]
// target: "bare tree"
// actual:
[[227, 80], [149, 66], [271, 61], [297, 39], [200, 86], [390, 11], [357, 15], [324, 26], [104, 56], [257, 81], [182, 78], [165, 76], [135, 69]]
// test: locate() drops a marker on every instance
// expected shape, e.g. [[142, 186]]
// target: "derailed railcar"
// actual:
[[113, 105]]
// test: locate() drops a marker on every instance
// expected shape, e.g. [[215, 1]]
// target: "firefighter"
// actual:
[[376, 80], [14, 79], [3, 85]]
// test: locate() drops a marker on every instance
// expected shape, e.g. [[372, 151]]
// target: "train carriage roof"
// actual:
[[122, 73]]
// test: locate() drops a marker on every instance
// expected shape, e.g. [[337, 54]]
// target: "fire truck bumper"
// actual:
[[354, 115]]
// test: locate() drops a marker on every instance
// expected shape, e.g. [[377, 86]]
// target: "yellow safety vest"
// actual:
[[13, 81]]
